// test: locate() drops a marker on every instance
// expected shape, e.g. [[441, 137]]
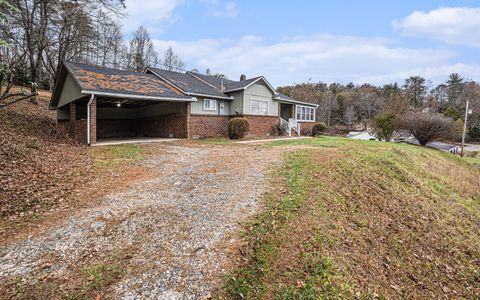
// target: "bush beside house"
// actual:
[[238, 128], [318, 128]]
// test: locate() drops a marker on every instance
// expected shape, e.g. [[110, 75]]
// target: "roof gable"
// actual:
[[245, 84], [188, 83]]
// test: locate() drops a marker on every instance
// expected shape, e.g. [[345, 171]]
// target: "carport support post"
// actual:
[[92, 120]]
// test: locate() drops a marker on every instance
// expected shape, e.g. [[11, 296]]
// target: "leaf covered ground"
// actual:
[[41, 172], [364, 220]]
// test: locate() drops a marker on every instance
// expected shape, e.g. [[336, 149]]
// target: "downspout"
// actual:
[[92, 97]]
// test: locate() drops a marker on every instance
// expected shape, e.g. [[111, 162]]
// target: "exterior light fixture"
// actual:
[[119, 104]]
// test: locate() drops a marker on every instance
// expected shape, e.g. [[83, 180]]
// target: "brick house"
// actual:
[[94, 103]]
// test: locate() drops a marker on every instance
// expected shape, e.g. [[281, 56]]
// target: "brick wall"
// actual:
[[107, 128], [202, 126], [164, 126], [306, 128], [93, 122], [72, 128], [262, 125]]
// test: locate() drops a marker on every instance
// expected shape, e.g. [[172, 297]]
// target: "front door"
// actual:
[[286, 111], [222, 107]]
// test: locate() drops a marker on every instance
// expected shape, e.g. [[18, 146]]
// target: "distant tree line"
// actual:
[[348, 105]]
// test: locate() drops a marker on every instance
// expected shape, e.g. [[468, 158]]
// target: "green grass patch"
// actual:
[[363, 220], [109, 156]]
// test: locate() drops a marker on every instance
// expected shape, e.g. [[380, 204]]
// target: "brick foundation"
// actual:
[[262, 125], [306, 128], [203, 126], [172, 125], [76, 130]]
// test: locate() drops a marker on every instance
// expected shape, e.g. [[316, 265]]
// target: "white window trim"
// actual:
[[259, 100], [209, 108], [301, 106]]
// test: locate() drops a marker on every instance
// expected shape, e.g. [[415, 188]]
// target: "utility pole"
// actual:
[[464, 130]]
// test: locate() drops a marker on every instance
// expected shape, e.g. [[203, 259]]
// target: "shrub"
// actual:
[[385, 126], [305, 131], [474, 134], [452, 113], [238, 128], [427, 127], [318, 128], [282, 129]]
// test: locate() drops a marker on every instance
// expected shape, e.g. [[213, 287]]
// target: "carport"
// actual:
[[96, 104]]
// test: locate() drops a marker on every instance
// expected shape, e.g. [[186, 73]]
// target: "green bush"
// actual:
[[385, 126], [238, 128], [318, 128]]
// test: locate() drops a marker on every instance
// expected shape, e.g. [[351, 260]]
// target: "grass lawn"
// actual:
[[109, 156], [364, 220]]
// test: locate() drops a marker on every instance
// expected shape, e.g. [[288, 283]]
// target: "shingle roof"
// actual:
[[188, 83], [283, 96], [106, 80], [236, 85], [212, 80]]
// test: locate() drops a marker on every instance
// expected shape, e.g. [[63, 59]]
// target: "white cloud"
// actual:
[[321, 57], [228, 9], [149, 13], [452, 25]]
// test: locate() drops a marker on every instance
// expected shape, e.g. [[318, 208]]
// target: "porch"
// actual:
[[288, 120]]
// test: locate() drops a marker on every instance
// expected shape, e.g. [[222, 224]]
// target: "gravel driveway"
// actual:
[[174, 230]]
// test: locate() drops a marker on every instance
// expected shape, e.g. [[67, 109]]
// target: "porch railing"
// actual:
[[291, 124]]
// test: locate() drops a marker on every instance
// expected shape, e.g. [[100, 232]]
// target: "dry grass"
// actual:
[[365, 220]]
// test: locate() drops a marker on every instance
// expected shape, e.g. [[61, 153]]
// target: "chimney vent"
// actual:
[[222, 86], [243, 77]]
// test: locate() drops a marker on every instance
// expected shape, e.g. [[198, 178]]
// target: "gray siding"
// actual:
[[260, 91], [70, 91], [197, 107], [236, 106]]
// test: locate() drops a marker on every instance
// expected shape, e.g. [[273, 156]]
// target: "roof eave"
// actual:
[[295, 101], [210, 96], [138, 97]]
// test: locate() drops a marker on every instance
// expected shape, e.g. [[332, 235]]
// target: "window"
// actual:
[[305, 113], [258, 107], [209, 104]]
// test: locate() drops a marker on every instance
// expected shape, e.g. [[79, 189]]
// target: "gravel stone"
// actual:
[[182, 222]]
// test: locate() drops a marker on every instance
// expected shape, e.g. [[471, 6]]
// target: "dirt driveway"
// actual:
[[165, 238]]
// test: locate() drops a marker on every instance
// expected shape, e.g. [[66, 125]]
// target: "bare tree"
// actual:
[[427, 127], [141, 53], [171, 61], [10, 63], [349, 116]]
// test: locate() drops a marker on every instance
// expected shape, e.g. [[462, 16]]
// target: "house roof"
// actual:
[[283, 97], [212, 80], [112, 82], [100, 79], [189, 83], [154, 84]]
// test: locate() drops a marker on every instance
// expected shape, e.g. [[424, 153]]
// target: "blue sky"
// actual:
[[297, 41]]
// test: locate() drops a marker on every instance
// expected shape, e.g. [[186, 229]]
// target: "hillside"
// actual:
[[364, 220], [41, 172]]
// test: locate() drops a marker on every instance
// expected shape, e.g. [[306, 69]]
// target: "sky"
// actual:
[[299, 41]]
